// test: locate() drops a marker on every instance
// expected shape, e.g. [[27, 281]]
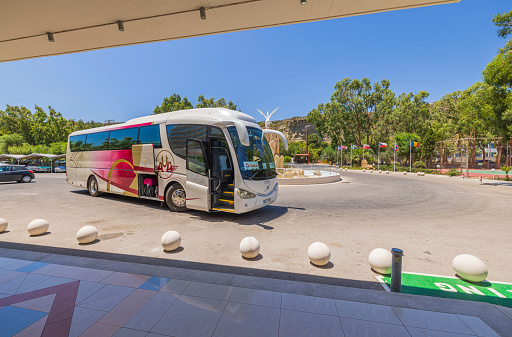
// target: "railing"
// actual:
[[308, 170]]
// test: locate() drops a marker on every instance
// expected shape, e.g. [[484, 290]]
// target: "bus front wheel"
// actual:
[[176, 198], [92, 186]]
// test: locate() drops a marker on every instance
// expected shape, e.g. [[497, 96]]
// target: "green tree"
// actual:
[[203, 102], [173, 103], [504, 21], [329, 153], [411, 113], [507, 169], [428, 145], [10, 140], [498, 75], [16, 120], [314, 141], [293, 149], [355, 109], [403, 141]]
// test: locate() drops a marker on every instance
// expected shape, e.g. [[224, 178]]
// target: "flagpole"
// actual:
[[336, 158], [378, 159], [410, 156], [394, 158], [351, 155], [362, 163], [341, 156]]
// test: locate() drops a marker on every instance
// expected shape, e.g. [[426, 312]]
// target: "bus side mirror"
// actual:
[[242, 133], [280, 134]]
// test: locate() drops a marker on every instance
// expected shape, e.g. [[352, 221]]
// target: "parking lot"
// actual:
[[432, 218]]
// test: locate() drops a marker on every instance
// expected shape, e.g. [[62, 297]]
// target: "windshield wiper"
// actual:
[[258, 171], [255, 173]]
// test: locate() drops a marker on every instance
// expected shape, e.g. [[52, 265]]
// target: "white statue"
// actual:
[[267, 118]]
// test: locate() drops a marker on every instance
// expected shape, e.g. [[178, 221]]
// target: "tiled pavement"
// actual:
[[39, 296]]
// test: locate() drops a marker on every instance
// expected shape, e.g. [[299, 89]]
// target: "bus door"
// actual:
[[221, 176], [197, 185]]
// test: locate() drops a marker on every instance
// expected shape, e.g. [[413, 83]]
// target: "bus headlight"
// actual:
[[246, 194]]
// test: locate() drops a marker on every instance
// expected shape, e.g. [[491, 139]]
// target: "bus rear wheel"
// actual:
[[176, 198], [92, 186]]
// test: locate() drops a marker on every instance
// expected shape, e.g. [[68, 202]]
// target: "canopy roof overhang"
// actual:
[[19, 157], [77, 25]]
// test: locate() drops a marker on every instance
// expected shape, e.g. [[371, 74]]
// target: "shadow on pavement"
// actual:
[[194, 265], [256, 217], [503, 183]]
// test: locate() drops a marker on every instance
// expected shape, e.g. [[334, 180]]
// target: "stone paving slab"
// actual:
[[105, 300]]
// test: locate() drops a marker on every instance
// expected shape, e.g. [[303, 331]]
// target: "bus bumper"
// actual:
[[247, 205]]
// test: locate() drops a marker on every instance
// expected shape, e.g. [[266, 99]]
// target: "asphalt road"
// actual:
[[432, 218]]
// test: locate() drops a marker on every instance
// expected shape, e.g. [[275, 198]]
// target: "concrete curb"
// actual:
[[308, 181]]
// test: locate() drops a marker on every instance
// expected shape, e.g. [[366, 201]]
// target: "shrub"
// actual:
[[507, 169], [287, 159], [453, 172], [419, 164]]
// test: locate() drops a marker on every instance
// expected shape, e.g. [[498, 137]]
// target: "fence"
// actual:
[[471, 155], [308, 170]]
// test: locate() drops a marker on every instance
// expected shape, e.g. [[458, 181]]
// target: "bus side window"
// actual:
[[150, 135], [215, 131], [196, 161], [179, 133], [123, 139], [96, 141], [77, 143]]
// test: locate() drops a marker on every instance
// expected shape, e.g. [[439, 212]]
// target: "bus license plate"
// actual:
[[267, 201]]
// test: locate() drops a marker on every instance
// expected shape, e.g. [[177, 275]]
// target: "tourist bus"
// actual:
[[210, 159]]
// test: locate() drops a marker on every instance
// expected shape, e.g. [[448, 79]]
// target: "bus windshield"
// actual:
[[256, 161]]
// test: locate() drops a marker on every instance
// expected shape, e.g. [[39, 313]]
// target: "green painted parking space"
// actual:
[[497, 172], [451, 287]]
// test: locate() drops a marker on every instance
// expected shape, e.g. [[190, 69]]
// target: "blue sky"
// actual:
[[437, 49]]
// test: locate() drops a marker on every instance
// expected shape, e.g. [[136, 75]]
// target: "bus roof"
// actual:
[[194, 116]]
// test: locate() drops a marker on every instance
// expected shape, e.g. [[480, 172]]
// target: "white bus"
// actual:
[[210, 159]]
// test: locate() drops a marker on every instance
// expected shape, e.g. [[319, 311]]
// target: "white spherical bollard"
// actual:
[[319, 253], [3, 225], [38, 227], [87, 234], [404, 173], [346, 169], [387, 172], [249, 247], [380, 171], [470, 267], [364, 170], [171, 240], [380, 260]]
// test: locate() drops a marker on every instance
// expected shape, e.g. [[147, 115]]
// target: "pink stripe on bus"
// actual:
[[130, 126]]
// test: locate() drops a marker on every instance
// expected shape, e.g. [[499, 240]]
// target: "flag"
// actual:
[[339, 147], [366, 146], [343, 147], [354, 147], [383, 145], [396, 147], [415, 144]]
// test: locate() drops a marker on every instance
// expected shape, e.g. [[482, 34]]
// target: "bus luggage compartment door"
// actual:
[[198, 196], [143, 158]]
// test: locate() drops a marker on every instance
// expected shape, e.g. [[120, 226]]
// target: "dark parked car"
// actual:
[[16, 173]]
